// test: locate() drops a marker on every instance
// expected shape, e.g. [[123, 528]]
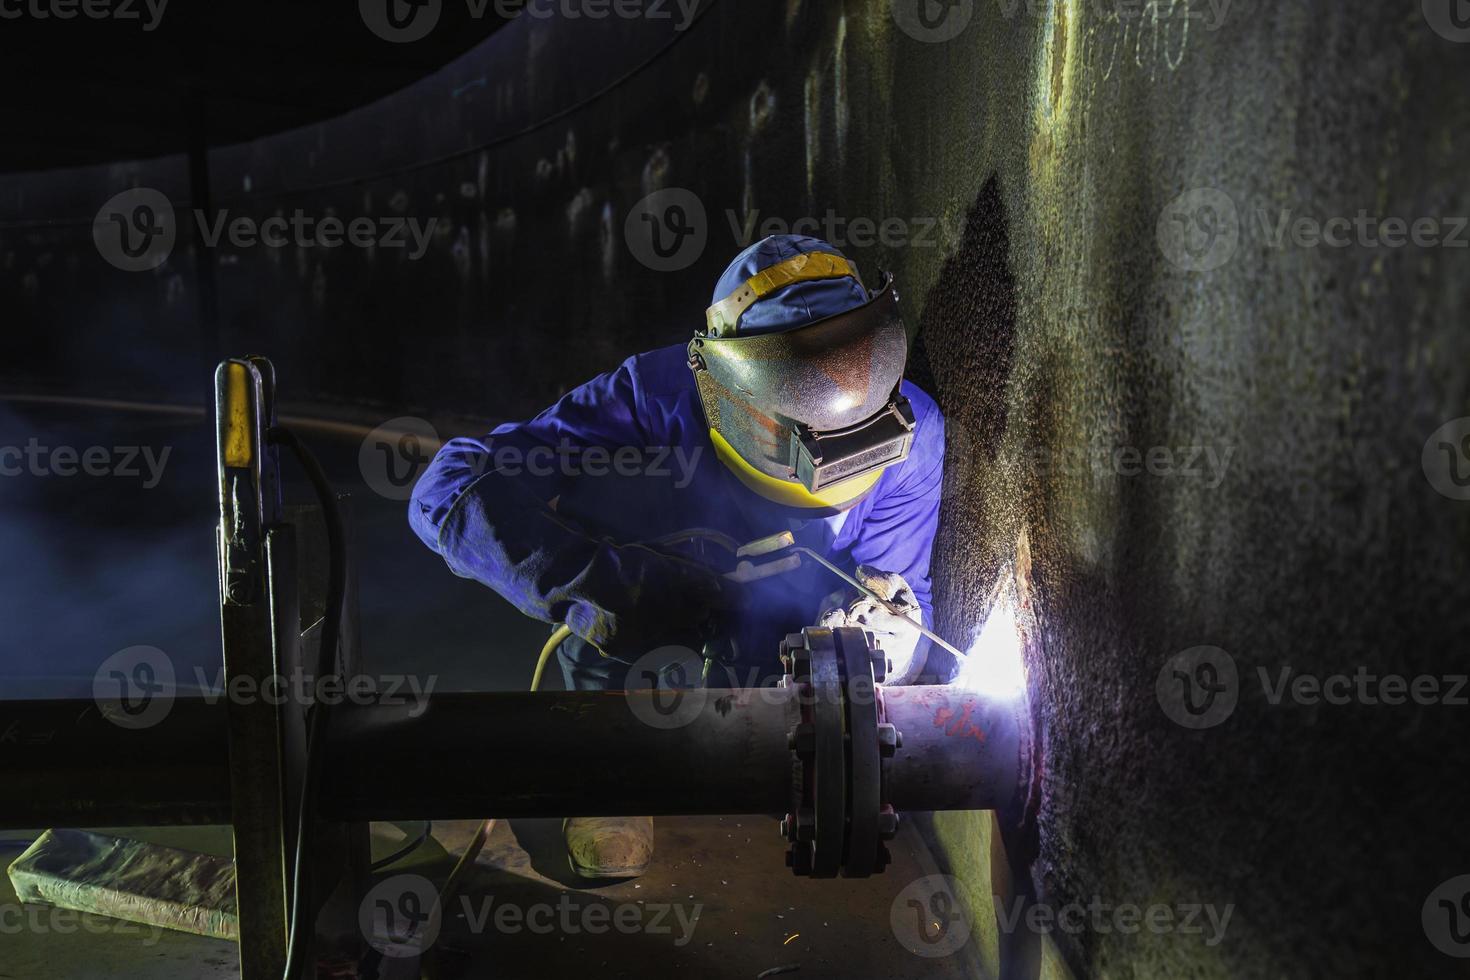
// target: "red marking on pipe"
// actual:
[[958, 722]]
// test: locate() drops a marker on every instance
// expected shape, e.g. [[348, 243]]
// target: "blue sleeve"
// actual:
[[897, 534], [488, 507]]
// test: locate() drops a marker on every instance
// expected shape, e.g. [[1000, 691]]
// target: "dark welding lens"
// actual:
[[821, 459]]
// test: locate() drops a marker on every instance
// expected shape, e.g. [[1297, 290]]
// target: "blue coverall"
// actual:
[[550, 514]]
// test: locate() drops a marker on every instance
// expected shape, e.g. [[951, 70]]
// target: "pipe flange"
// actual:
[[840, 751]]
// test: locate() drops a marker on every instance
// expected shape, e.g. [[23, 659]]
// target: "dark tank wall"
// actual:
[[1188, 278]]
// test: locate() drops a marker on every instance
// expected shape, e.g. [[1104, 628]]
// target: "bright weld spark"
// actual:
[[789, 938], [994, 664]]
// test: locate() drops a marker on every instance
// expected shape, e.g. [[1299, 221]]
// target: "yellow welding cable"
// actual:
[[558, 635]]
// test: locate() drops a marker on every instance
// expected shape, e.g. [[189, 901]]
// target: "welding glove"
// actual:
[[897, 636]]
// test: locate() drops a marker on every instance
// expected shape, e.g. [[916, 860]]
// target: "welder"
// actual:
[[786, 412]]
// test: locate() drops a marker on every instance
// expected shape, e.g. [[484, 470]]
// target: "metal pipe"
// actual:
[[585, 753], [961, 750], [65, 764], [505, 755]]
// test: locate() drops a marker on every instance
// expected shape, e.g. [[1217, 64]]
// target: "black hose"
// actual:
[[297, 947]]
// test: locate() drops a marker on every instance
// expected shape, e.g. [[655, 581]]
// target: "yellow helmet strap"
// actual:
[[723, 319]]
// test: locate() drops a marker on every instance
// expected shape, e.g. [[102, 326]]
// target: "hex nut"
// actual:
[[889, 739]]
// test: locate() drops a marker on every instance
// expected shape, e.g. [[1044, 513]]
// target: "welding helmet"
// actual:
[[798, 369]]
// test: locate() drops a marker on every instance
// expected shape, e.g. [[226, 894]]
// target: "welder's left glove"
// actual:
[[899, 638]]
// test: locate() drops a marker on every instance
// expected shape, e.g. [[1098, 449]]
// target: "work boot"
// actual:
[[608, 847]]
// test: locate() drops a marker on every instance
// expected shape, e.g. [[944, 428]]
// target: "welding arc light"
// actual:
[[993, 663]]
